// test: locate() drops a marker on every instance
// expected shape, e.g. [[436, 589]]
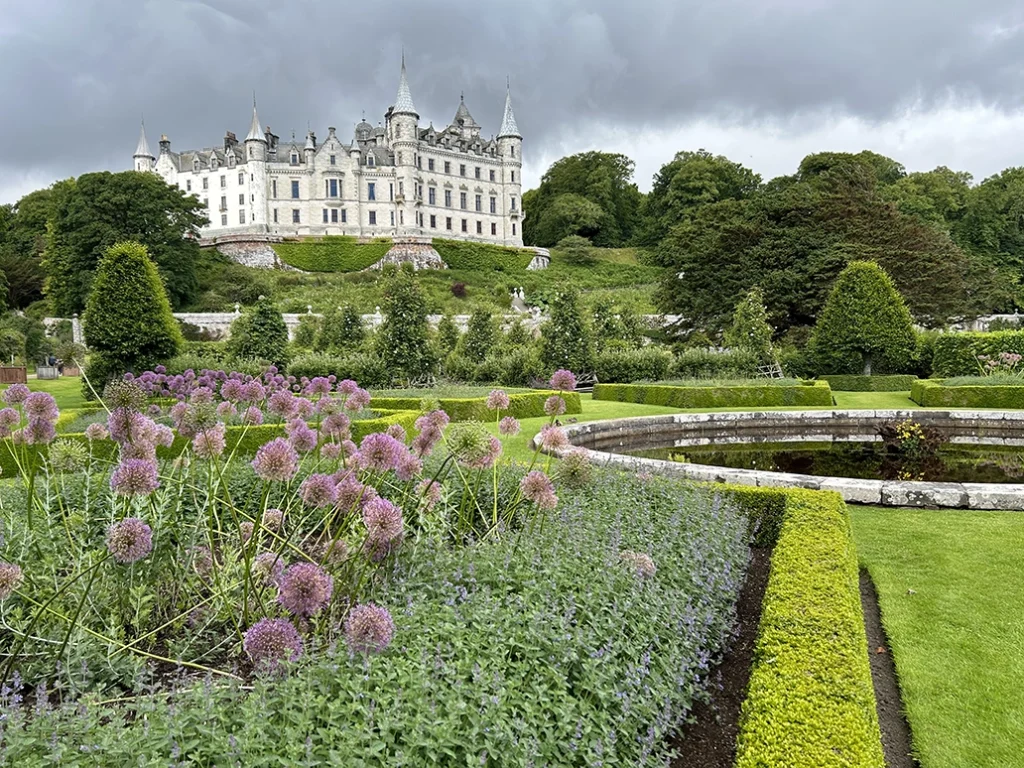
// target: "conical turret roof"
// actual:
[[255, 132], [509, 129], [403, 102], [142, 150]]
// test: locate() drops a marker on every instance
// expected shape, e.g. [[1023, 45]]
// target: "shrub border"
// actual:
[[811, 699], [522, 406], [929, 393], [816, 393], [855, 383]]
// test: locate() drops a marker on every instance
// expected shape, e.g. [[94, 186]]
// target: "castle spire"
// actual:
[[509, 129], [255, 132], [403, 103], [142, 150]]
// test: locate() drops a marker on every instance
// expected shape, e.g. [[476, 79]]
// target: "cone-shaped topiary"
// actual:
[[865, 326], [260, 335], [565, 336], [404, 336], [750, 330], [127, 323]]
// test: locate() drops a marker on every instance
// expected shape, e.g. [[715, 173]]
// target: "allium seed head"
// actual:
[[369, 629], [638, 562], [271, 641], [267, 568], [305, 589], [129, 540], [273, 519], [10, 578], [135, 477]]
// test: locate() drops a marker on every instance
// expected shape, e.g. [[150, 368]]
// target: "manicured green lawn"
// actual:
[[875, 400], [67, 390], [952, 601]]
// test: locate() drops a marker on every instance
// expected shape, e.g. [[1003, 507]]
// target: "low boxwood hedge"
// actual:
[[930, 393], [813, 393], [522, 406], [336, 253], [811, 700], [241, 440], [854, 383], [956, 354]]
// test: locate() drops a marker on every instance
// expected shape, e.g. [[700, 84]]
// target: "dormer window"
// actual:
[[195, 165], [370, 160], [231, 160], [294, 158]]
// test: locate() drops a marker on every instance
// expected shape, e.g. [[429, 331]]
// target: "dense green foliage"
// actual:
[[260, 334], [706, 363], [403, 339], [865, 326], [480, 337], [577, 250], [97, 210], [930, 393], [308, 331], [590, 194], [482, 257], [341, 330], [127, 323], [22, 240], [859, 383], [625, 365], [332, 253], [750, 331], [811, 700], [956, 354], [365, 367], [807, 394], [566, 341]]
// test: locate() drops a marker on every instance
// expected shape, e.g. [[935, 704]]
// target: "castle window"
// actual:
[[513, 228], [223, 182], [430, 164], [294, 160], [478, 171], [371, 160], [241, 217], [250, 153], [195, 165], [479, 203], [188, 185], [512, 151], [494, 228], [462, 200], [275, 215], [513, 177], [241, 178], [448, 198], [241, 199], [401, 188], [223, 219], [513, 203], [479, 228], [391, 191], [462, 170], [206, 182], [448, 223], [325, 215], [447, 167], [465, 225], [392, 218], [371, 191], [492, 174], [433, 221], [295, 190], [334, 216], [334, 159], [223, 202], [295, 215], [273, 188], [419, 162], [494, 205], [344, 216], [332, 188], [432, 195], [373, 218]]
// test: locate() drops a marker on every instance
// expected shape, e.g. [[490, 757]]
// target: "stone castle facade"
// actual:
[[398, 180]]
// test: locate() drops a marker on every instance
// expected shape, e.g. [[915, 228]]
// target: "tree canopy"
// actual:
[[96, 210], [22, 239]]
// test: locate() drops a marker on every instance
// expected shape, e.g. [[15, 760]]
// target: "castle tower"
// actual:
[[256, 166], [510, 149], [404, 124], [144, 159]]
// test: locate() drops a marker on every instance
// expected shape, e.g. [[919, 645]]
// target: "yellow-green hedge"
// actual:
[[812, 393], [811, 701], [930, 393], [522, 406]]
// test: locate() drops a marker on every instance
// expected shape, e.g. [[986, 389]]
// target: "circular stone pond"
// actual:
[[978, 466]]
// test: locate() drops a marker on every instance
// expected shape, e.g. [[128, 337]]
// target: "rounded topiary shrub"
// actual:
[[865, 326], [127, 323], [260, 335]]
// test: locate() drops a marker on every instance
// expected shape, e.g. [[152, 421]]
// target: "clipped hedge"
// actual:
[[482, 257], [860, 383], [956, 354], [811, 700], [244, 441], [712, 364], [333, 253], [628, 365], [522, 406], [368, 369], [814, 393], [930, 393]]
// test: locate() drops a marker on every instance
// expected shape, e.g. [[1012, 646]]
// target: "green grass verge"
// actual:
[[339, 253], [755, 396], [67, 390], [931, 394], [810, 701], [952, 600]]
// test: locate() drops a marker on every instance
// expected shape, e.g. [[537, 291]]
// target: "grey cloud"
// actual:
[[75, 75]]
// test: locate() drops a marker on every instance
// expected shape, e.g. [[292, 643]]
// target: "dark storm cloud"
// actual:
[[75, 75]]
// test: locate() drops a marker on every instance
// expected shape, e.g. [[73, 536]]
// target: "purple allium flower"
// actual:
[[210, 443], [330, 451], [318, 491], [320, 385], [272, 519], [276, 461], [409, 466], [304, 408], [486, 458], [282, 403], [383, 521], [16, 393], [253, 416], [498, 400], [254, 392], [245, 531], [358, 400], [41, 405], [425, 442], [554, 406], [347, 387], [563, 380], [154, 411], [327, 551], [232, 390], [226, 410], [201, 396], [397, 431], [369, 629], [138, 449], [39, 431], [135, 477], [96, 431], [336, 426], [537, 487], [129, 540], [10, 578], [9, 418], [509, 426], [163, 435], [381, 451], [350, 490], [639, 562], [271, 641], [349, 448], [553, 438], [267, 568], [305, 588], [430, 493], [178, 411], [301, 437]]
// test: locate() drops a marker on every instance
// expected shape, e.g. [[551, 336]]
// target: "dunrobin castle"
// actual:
[[398, 179]]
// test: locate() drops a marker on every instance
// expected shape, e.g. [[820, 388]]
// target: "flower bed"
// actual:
[[809, 394], [853, 383], [930, 393], [521, 406]]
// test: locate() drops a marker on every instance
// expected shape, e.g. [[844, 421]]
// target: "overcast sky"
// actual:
[[765, 82]]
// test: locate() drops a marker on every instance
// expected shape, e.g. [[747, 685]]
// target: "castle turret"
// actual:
[[510, 148], [144, 159], [404, 125], [256, 168]]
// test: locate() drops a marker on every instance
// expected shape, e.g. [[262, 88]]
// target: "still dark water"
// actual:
[[869, 461]]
